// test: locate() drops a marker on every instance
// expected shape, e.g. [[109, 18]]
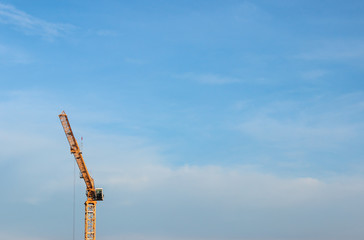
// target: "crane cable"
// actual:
[[74, 198]]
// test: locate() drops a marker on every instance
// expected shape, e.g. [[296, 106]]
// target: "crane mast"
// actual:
[[93, 194]]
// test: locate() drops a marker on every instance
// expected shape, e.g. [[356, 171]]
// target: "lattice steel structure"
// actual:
[[90, 220], [93, 194]]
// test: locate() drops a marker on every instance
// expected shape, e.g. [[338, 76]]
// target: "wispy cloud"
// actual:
[[135, 61], [233, 200], [314, 74], [224, 186], [248, 12], [209, 78], [30, 24], [19, 236], [9, 54], [299, 134], [107, 33], [195, 202], [308, 131], [334, 50]]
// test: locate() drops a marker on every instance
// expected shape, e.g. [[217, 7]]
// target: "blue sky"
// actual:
[[201, 119]]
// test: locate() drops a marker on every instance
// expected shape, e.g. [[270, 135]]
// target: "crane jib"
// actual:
[[93, 194], [75, 150]]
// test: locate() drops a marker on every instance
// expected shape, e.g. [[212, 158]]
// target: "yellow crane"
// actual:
[[93, 194]]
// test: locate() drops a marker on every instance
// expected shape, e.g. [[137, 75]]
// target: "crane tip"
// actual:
[[62, 114]]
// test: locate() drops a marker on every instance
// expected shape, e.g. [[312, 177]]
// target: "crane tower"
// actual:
[[93, 194]]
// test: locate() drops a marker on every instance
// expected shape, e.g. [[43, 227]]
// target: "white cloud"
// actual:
[[321, 122], [334, 50], [230, 187], [30, 24], [230, 202], [20, 236], [148, 198], [314, 74], [161, 237], [212, 79], [134, 61], [9, 54], [107, 33], [248, 12], [298, 134]]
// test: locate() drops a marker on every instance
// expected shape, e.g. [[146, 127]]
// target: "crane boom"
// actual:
[[75, 150], [93, 194]]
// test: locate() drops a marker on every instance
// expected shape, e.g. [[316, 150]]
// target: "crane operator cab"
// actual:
[[99, 194]]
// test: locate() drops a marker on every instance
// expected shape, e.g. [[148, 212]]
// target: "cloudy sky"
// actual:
[[202, 120]]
